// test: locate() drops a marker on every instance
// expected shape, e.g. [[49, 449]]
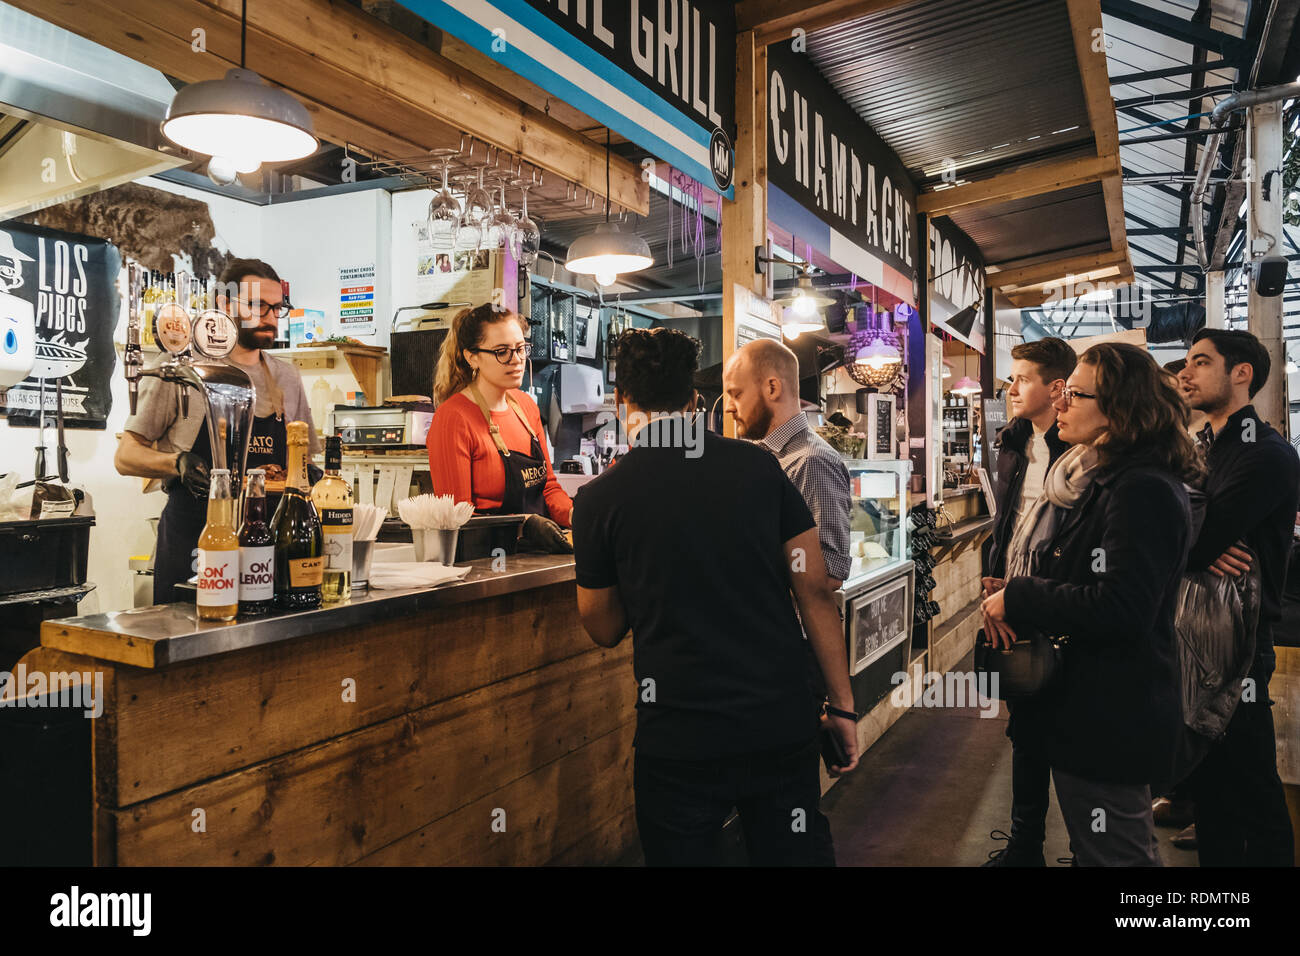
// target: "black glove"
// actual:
[[543, 534], [193, 472]]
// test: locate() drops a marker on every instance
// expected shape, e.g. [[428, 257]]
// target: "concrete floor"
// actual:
[[929, 792]]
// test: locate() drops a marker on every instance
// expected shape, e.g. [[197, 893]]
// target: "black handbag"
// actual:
[[1030, 669]]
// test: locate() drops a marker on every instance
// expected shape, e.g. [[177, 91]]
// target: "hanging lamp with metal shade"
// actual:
[[240, 119], [607, 251], [805, 304]]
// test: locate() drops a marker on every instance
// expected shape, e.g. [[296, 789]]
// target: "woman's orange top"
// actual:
[[464, 461]]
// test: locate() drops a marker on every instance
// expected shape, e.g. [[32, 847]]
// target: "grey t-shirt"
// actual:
[[158, 418]]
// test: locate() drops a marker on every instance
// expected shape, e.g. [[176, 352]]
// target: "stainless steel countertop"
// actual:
[[173, 633]]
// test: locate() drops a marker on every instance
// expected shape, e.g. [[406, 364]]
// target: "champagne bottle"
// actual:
[[332, 497], [299, 541], [218, 596], [256, 550]]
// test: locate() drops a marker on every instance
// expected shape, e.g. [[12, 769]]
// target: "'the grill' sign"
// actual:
[[660, 72]]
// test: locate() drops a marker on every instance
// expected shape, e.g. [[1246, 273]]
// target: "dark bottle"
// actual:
[[256, 550], [299, 540]]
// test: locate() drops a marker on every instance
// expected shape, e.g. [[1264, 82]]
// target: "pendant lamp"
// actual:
[[239, 119], [805, 304], [607, 250], [966, 385]]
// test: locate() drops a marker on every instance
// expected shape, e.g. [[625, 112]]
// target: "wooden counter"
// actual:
[[488, 730]]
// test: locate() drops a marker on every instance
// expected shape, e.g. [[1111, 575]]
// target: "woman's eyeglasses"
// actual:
[[1068, 395], [505, 354]]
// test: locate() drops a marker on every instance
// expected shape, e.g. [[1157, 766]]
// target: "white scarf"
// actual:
[[1065, 483]]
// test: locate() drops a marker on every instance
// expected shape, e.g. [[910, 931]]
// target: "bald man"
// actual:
[[761, 383]]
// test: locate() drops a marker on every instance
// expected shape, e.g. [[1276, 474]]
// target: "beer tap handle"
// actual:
[[131, 358], [185, 400]]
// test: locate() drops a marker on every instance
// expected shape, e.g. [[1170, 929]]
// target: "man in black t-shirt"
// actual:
[[695, 542]]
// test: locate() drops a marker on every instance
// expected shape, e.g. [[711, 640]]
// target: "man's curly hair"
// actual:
[[656, 367]]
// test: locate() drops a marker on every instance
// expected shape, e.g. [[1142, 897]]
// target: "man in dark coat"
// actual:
[[1027, 447], [1253, 492]]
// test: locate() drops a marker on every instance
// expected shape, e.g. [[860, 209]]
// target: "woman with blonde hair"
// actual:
[[1099, 560], [485, 442]]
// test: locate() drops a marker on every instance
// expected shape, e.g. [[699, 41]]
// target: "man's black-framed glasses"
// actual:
[[280, 309], [505, 354]]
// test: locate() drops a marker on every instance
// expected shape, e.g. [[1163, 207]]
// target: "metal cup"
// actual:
[[362, 553], [433, 544]]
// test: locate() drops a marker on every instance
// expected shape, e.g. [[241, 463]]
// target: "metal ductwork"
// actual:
[[75, 117]]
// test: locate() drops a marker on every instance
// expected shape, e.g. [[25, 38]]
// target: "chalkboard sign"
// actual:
[[878, 620]]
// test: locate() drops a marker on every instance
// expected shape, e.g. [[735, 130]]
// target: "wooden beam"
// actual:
[[1090, 53], [1094, 74], [1033, 297], [1017, 184], [1053, 269], [775, 20], [744, 222], [366, 84], [426, 87]]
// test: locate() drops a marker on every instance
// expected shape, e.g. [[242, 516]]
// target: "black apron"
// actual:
[[525, 474], [184, 516]]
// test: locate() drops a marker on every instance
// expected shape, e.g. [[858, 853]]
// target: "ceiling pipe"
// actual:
[[1209, 154]]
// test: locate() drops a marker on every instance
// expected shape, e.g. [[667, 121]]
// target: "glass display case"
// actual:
[[878, 526]]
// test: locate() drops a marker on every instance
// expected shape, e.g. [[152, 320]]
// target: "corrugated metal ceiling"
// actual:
[[926, 78]]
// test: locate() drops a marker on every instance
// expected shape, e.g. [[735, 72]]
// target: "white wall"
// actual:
[[309, 241]]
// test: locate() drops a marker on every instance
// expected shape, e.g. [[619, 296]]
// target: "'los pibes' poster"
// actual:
[[70, 282]]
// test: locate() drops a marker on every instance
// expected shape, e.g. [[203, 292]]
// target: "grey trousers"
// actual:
[[1109, 823]]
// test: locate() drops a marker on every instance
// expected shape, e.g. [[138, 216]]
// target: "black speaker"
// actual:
[[1269, 275]]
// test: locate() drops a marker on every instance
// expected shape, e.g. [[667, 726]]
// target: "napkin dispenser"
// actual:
[[582, 389]]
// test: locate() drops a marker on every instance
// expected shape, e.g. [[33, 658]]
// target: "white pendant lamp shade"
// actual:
[[878, 354], [804, 299], [241, 118], [966, 386], [607, 251]]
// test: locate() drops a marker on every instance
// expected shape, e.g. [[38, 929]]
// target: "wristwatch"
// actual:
[[846, 714]]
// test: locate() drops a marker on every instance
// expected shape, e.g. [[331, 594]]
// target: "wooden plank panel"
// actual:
[[1017, 184], [253, 705], [1053, 269], [423, 87], [608, 841], [547, 813], [339, 801]]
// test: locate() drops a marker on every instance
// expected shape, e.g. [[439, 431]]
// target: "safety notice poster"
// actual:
[[357, 300]]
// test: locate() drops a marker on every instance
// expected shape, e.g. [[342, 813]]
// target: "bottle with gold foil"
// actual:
[[332, 497], [218, 591], [299, 540]]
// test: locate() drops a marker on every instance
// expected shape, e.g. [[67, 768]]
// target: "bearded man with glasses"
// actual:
[[172, 451]]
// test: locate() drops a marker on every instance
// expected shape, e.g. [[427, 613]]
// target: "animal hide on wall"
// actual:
[[146, 224]]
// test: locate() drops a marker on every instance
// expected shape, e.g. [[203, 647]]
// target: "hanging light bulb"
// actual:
[[241, 118], [966, 386], [240, 113], [607, 251]]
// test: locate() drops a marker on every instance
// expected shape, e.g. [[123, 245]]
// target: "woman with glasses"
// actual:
[[485, 442], [1098, 560], [160, 443]]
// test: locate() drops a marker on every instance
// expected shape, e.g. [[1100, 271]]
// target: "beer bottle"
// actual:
[[332, 497], [299, 542], [218, 597], [256, 550]]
